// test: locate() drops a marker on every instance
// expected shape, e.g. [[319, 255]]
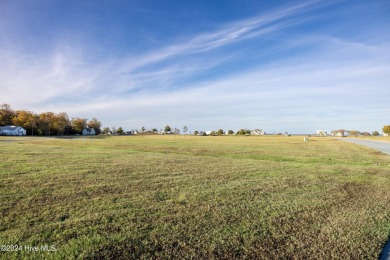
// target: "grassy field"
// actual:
[[163, 197]]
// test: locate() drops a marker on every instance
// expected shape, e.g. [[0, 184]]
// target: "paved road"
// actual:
[[378, 145], [383, 147]]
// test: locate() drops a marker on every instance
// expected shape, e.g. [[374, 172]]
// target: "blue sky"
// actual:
[[295, 66]]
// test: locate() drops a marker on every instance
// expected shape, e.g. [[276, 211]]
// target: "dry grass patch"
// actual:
[[194, 197]]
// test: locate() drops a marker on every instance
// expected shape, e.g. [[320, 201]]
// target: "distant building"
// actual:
[[339, 133], [164, 132], [321, 133], [89, 131], [12, 130], [257, 132]]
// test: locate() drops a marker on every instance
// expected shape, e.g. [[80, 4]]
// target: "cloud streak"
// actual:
[[255, 73]]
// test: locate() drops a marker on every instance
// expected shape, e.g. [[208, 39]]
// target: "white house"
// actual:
[[89, 131], [321, 133], [257, 132], [12, 130]]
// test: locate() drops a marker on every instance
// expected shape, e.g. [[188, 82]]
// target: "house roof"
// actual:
[[10, 128], [89, 129]]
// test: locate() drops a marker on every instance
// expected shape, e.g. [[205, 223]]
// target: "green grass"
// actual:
[[193, 197]]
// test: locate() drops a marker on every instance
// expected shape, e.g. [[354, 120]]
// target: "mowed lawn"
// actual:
[[135, 197]]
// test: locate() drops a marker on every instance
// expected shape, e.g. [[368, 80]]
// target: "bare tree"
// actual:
[[185, 130]]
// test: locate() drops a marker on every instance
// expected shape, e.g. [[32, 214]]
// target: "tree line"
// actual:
[[166, 130], [342, 132], [46, 123]]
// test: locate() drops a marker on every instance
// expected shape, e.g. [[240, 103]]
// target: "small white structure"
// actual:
[[257, 132], [89, 131], [12, 130], [321, 133], [385, 134]]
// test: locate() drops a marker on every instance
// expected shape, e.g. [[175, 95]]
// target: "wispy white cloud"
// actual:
[[64, 72], [317, 96], [182, 83]]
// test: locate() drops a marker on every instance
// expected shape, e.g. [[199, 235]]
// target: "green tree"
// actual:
[[106, 130], [241, 132], [167, 128], [6, 115], [196, 132], [61, 123], [96, 125], [78, 124], [386, 129], [220, 132], [25, 119], [120, 130], [375, 133], [230, 132], [46, 123]]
